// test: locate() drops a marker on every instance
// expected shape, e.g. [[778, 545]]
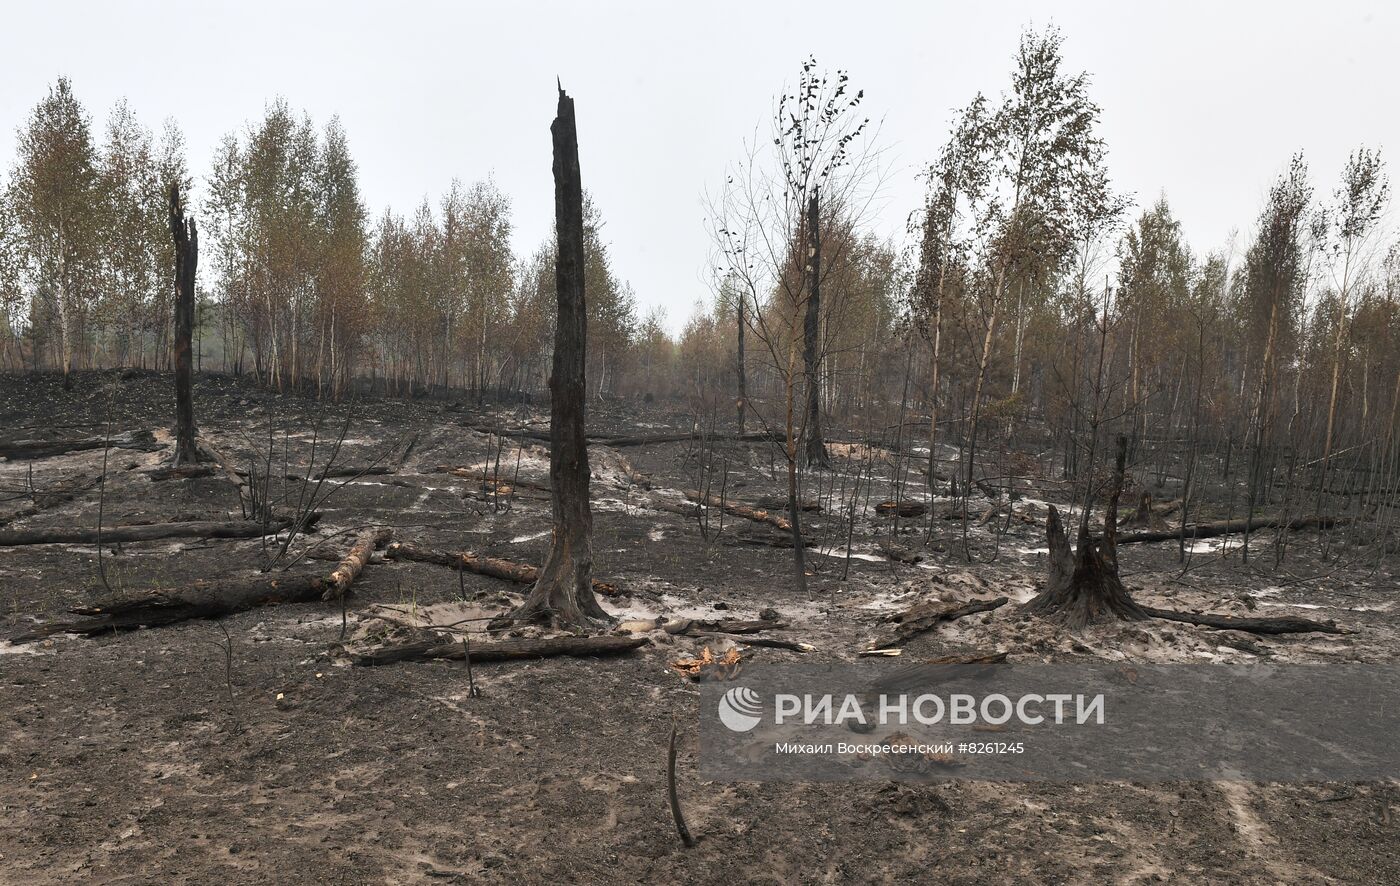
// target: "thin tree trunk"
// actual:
[[1336, 381], [65, 319], [739, 365], [933, 387], [1261, 410], [815, 447], [976, 406], [794, 512]]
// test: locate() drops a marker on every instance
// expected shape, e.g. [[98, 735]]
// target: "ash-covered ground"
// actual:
[[250, 750]]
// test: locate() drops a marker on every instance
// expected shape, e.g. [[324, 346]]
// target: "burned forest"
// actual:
[[960, 514]]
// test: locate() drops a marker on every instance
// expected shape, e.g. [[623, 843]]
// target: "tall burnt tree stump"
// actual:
[[563, 594], [186, 239]]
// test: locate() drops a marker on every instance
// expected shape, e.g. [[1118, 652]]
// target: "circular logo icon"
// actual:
[[740, 709]]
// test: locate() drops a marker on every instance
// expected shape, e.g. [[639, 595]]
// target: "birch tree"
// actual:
[[1359, 200], [53, 194], [1042, 149]]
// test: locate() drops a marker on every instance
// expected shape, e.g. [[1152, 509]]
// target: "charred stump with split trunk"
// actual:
[[1083, 587], [563, 593], [186, 260]]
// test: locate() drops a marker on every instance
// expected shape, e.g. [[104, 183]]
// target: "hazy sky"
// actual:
[[1202, 101]]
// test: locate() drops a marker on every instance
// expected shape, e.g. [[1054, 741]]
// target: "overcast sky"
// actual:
[[1202, 101]]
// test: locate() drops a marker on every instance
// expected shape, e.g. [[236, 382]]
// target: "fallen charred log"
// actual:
[[182, 472], [493, 567], [683, 436], [1288, 624], [780, 503], [723, 626], [212, 599], [350, 566], [767, 642], [27, 449], [905, 509], [737, 629], [927, 616], [768, 538], [931, 671], [501, 650], [739, 509], [493, 483], [1229, 527], [151, 532], [621, 440]]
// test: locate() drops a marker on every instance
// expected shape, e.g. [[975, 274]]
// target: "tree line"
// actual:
[[1029, 302], [301, 287], [1034, 308]]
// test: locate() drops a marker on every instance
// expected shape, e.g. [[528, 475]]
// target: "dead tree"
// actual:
[[186, 261], [563, 593], [815, 451], [1083, 586], [739, 359]]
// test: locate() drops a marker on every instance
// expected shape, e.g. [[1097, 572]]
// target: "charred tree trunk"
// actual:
[[934, 345], [563, 593], [1083, 587], [501, 650], [739, 509], [1196, 531], [1288, 624], [924, 618], [353, 563], [739, 362], [815, 446], [164, 606], [186, 260], [25, 449], [151, 532], [212, 598], [493, 567]]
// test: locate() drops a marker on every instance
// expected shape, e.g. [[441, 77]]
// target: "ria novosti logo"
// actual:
[[740, 709]]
